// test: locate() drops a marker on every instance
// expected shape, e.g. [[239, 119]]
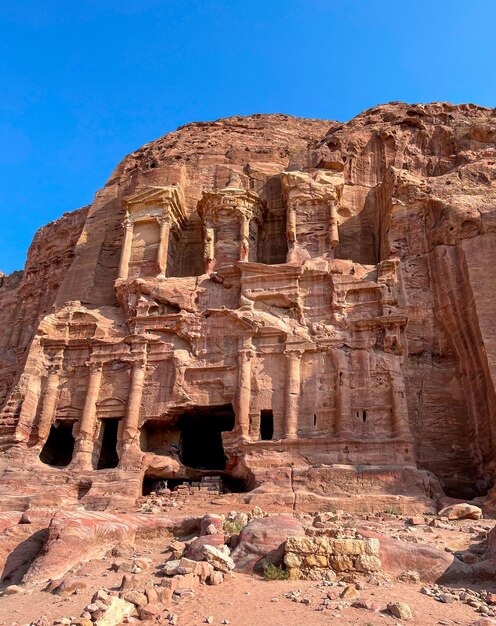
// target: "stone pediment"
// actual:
[[155, 195]]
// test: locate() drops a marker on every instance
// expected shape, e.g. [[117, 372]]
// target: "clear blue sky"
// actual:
[[84, 82]]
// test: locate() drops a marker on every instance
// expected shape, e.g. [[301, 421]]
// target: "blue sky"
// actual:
[[84, 82]]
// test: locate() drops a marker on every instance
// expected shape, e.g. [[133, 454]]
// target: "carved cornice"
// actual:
[[230, 201], [155, 203]]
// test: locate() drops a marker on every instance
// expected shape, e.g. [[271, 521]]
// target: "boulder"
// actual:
[[220, 561], [211, 519], [401, 610], [196, 549], [263, 539], [432, 565], [461, 511], [117, 610]]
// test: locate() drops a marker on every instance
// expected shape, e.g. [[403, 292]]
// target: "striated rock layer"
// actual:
[[301, 307]]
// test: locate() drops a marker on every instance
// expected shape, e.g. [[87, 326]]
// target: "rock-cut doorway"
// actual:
[[201, 436]]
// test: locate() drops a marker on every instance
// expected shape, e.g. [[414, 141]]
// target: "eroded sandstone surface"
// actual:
[[300, 310]]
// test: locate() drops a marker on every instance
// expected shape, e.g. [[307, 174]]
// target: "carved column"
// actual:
[[244, 239], [333, 226], [399, 406], [136, 386], [343, 394], [50, 398], [126, 249], [163, 248], [84, 445], [293, 359], [245, 355], [291, 227], [209, 248]]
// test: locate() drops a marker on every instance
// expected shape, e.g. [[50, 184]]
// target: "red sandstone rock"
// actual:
[[195, 550], [313, 300], [263, 540], [81, 536], [432, 565]]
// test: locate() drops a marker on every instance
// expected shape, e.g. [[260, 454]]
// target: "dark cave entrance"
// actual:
[[201, 436], [108, 452], [465, 488], [266, 425], [59, 446]]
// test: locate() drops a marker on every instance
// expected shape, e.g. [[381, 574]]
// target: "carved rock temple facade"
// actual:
[[298, 306]]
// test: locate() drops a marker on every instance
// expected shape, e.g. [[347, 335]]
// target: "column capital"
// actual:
[[55, 367], [139, 362], [163, 220], [128, 223], [95, 366], [294, 354], [247, 353]]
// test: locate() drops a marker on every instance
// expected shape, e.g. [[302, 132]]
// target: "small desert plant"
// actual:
[[392, 510], [274, 572], [233, 526]]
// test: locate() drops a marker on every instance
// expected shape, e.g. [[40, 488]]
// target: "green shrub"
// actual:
[[274, 572], [233, 527], [392, 510]]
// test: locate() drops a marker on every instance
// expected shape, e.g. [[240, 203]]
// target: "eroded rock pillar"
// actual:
[[50, 398], [126, 250], [291, 228], [209, 248], [163, 248], [130, 432], [28, 410], [333, 226], [293, 360], [244, 239], [83, 450], [245, 356]]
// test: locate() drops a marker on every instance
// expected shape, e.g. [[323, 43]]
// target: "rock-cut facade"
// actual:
[[299, 308]]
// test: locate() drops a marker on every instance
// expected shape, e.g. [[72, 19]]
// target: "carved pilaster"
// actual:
[[343, 393], [163, 248], [244, 238], [208, 247], [130, 431], [50, 398], [333, 226], [399, 406], [83, 449], [126, 249], [245, 356], [292, 392]]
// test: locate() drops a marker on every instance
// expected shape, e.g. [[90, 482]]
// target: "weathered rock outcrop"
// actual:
[[301, 306]]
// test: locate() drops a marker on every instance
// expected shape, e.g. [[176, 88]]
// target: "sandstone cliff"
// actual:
[[300, 306]]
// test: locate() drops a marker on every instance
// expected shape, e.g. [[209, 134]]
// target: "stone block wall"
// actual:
[[320, 558]]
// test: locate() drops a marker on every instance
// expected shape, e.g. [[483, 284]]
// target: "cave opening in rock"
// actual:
[[59, 446], [154, 483], [266, 425], [108, 452], [160, 436], [465, 488], [201, 436]]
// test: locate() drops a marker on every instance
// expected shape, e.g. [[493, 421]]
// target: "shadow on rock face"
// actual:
[[21, 557]]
